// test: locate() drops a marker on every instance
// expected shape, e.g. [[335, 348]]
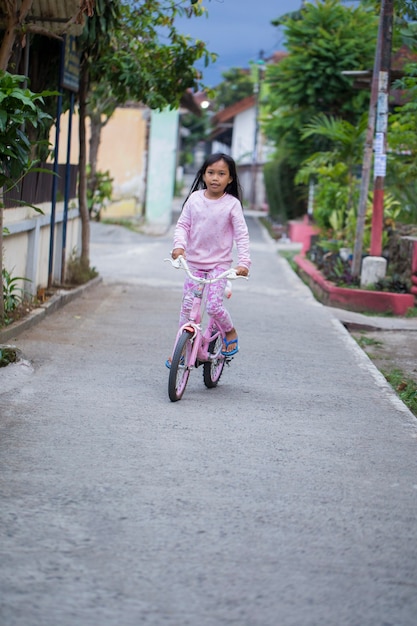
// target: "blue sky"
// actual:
[[237, 30]]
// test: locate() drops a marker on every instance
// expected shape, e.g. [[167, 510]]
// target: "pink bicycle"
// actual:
[[196, 345]]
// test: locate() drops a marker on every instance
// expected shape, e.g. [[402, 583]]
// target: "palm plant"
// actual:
[[335, 171]]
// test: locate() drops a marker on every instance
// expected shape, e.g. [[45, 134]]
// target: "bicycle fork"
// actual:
[[200, 343]]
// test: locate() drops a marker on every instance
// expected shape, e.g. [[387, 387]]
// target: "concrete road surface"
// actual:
[[285, 497]]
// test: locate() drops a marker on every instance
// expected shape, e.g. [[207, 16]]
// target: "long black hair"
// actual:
[[233, 188]]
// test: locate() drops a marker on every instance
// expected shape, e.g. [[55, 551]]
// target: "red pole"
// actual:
[[377, 217]]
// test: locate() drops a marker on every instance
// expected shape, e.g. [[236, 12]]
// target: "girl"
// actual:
[[210, 223]]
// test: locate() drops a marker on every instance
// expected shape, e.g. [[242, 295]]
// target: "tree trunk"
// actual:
[[82, 185], [16, 15], [7, 47], [95, 139], [96, 126]]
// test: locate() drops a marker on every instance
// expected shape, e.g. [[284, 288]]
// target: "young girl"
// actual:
[[210, 223]]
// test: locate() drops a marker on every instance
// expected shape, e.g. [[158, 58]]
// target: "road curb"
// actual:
[[58, 300], [357, 321]]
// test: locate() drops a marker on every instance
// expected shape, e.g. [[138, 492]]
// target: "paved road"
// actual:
[[285, 497]]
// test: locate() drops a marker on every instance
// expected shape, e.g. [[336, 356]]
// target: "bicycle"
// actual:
[[195, 345]]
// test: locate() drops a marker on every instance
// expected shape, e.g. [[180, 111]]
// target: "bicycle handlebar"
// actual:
[[181, 263]]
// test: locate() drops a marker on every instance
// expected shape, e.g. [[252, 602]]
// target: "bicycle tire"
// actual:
[[212, 370], [180, 371]]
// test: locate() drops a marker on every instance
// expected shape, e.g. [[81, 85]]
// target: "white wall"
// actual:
[[26, 247], [243, 136]]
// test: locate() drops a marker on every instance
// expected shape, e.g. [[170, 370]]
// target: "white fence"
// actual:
[[27, 244]]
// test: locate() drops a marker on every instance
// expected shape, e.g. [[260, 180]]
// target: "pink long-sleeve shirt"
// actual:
[[207, 230]]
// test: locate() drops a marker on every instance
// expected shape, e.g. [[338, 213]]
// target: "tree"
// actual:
[[407, 8], [196, 129], [139, 65], [236, 86], [402, 158], [132, 51], [96, 37], [323, 40]]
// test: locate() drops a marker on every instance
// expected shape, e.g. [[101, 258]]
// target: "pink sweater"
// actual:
[[207, 229]]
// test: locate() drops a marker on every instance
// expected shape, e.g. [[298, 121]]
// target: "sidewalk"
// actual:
[[358, 321]]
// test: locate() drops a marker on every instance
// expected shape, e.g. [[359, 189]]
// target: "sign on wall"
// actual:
[[71, 65]]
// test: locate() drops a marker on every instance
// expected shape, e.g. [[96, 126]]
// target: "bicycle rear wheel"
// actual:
[[212, 370], [179, 372]]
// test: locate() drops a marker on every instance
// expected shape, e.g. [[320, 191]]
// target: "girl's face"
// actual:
[[216, 177]]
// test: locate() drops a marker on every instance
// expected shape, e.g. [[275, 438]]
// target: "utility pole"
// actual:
[[255, 155], [381, 65], [380, 145]]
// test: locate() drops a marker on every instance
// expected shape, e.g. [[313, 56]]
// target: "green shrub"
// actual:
[[7, 355], [99, 192], [78, 273], [284, 197], [13, 294]]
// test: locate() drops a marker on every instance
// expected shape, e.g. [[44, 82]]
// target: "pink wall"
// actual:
[[301, 232]]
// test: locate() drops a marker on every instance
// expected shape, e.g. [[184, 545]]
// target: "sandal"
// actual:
[[230, 343], [169, 361]]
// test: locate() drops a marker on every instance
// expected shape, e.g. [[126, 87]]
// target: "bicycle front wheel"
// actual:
[[180, 371], [212, 370]]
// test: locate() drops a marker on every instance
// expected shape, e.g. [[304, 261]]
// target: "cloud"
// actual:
[[237, 30]]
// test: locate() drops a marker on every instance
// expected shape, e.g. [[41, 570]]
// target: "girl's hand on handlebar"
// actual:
[[178, 252], [241, 270]]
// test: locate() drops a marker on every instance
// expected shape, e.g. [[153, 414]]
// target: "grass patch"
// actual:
[[405, 387], [411, 313], [364, 341], [289, 256], [78, 271], [7, 356], [133, 224], [268, 225], [275, 230]]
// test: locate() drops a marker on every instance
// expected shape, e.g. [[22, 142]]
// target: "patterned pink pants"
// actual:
[[214, 298]]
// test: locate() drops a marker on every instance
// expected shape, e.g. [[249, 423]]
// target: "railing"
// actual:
[[36, 187]]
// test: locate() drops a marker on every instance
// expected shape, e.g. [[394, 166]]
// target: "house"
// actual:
[[236, 131], [37, 245], [139, 148]]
